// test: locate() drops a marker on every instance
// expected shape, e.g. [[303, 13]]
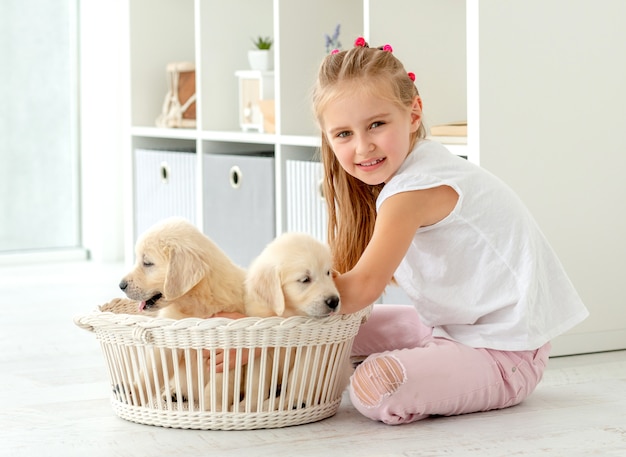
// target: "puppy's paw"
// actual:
[[172, 395], [175, 398], [120, 394], [120, 305], [253, 407], [218, 407]]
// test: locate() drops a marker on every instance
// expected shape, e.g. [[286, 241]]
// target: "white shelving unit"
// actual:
[[216, 36]]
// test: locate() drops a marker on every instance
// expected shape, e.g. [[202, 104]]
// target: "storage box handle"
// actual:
[[320, 189], [234, 176], [165, 172]]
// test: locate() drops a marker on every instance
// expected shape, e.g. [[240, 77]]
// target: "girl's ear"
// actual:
[[416, 113]]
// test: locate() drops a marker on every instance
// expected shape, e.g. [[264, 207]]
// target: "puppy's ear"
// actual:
[[263, 288], [184, 270]]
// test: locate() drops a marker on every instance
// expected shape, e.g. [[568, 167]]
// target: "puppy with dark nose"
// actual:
[[292, 276]]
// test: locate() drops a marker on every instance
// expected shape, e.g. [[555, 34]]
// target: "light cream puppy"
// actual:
[[291, 277], [179, 273]]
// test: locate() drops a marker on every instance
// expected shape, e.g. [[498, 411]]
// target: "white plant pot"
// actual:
[[261, 59]]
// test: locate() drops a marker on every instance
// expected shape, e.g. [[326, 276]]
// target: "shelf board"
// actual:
[[238, 136], [156, 132], [234, 136], [448, 139], [300, 140]]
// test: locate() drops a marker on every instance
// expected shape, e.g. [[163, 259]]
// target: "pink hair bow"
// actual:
[[360, 41]]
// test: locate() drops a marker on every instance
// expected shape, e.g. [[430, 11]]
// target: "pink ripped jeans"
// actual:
[[410, 374]]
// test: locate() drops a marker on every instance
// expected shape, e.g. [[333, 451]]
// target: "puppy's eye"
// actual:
[[328, 273], [305, 279], [147, 263]]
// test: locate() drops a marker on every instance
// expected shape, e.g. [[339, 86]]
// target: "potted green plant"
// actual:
[[261, 57]]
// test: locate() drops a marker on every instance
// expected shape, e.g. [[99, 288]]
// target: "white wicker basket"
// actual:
[[139, 350]]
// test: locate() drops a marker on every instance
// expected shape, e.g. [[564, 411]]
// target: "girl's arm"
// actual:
[[396, 222]]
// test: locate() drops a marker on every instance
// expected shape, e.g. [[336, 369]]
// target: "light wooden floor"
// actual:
[[54, 396]]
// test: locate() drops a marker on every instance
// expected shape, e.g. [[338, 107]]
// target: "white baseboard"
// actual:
[[52, 255], [589, 342]]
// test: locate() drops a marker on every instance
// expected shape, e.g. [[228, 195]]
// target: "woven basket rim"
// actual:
[[97, 319]]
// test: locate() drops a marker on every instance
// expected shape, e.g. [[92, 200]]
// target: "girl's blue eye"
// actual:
[[343, 134], [376, 124]]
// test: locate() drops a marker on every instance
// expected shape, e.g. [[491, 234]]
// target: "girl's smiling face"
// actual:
[[370, 135]]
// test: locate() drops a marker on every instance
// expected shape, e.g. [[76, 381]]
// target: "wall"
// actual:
[[429, 38], [552, 117], [104, 95]]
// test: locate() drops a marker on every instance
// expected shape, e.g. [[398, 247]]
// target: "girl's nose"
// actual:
[[364, 145]]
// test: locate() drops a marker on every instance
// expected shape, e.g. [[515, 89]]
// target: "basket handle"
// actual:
[[140, 333], [83, 322]]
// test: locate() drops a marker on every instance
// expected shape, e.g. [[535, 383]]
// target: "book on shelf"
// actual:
[[450, 129]]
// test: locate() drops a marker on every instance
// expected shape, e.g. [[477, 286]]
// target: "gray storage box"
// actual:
[[239, 208], [165, 186]]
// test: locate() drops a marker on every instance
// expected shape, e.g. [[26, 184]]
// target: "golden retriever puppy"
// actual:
[[291, 277], [179, 273]]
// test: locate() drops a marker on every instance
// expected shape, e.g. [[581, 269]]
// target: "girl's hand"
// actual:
[[232, 355], [229, 315], [219, 353]]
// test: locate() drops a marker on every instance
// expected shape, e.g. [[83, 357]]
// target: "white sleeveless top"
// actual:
[[485, 275]]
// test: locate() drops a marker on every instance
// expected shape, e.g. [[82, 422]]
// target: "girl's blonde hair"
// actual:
[[350, 202]]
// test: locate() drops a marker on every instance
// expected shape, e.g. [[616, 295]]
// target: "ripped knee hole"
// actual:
[[377, 378]]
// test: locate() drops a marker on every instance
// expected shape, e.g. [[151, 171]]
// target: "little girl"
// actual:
[[488, 291]]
